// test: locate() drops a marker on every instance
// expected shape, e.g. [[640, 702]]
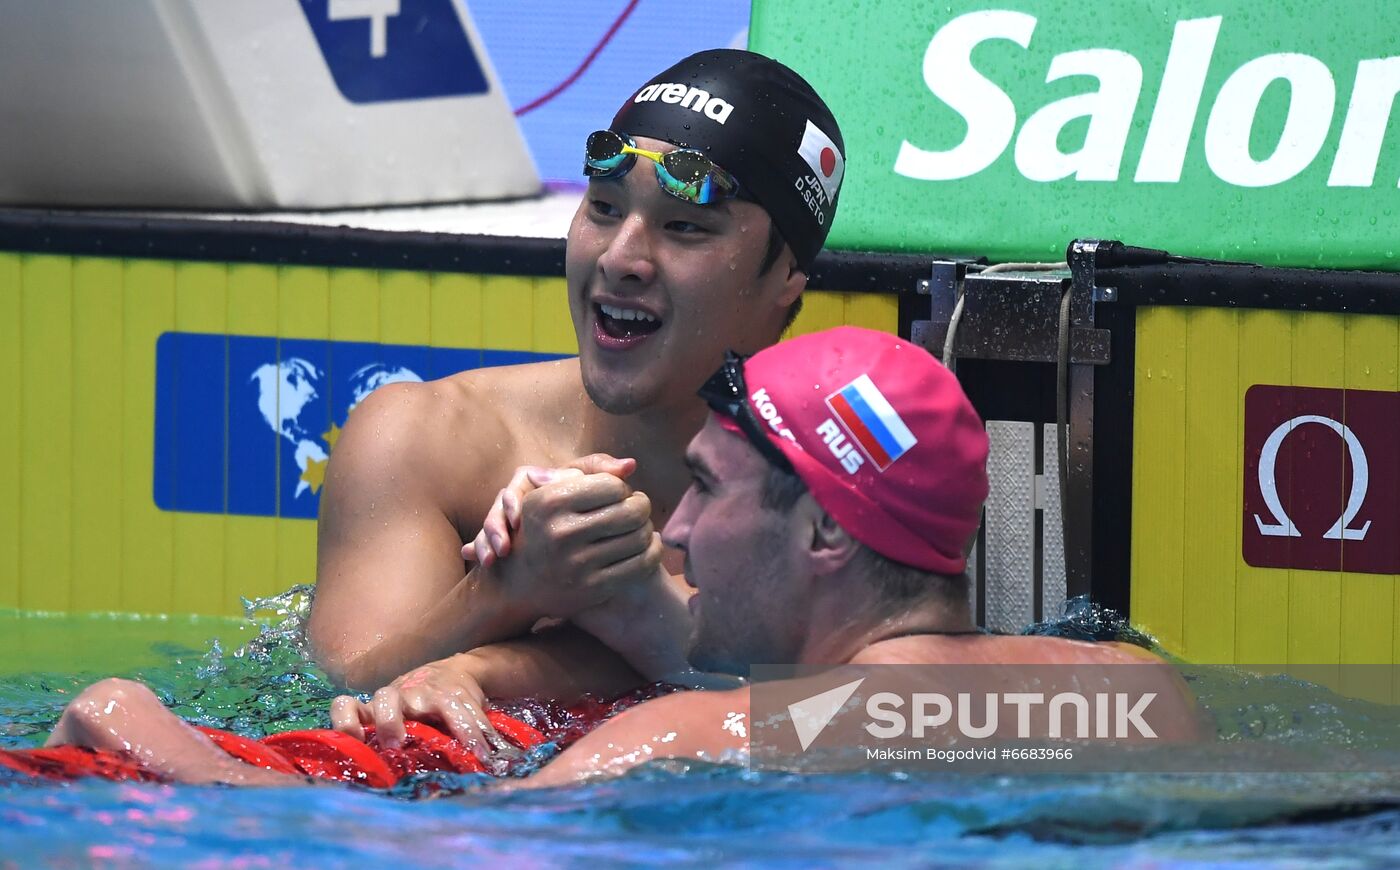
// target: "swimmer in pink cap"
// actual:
[[835, 492]]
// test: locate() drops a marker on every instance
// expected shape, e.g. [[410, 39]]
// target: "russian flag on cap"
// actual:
[[872, 421], [825, 159]]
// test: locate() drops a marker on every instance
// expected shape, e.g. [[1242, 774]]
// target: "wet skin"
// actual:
[[785, 587], [747, 562], [418, 466]]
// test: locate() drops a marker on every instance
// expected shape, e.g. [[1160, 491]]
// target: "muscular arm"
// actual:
[[120, 715], [391, 589], [648, 624], [562, 664], [684, 725]]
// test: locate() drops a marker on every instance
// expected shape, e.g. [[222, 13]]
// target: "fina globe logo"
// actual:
[[694, 99], [991, 115]]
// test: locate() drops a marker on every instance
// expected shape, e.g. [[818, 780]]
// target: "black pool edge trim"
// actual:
[[236, 240], [1143, 276]]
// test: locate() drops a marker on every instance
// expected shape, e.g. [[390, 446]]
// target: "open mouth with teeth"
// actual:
[[624, 323]]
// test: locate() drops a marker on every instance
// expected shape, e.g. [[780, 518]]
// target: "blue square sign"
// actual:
[[382, 51]]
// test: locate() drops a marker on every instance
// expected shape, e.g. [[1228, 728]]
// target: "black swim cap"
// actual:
[[760, 121]]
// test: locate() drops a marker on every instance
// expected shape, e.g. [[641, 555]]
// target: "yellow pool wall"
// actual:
[[79, 527], [1190, 584]]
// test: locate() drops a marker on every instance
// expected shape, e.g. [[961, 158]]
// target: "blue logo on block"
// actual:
[[246, 424], [380, 51]]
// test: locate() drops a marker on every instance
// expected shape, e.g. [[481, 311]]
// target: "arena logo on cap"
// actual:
[[872, 421], [714, 108]]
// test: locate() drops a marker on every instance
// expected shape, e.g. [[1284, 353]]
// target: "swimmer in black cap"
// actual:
[[758, 120], [709, 195]]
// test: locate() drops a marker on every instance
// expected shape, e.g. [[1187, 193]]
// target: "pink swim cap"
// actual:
[[882, 435]]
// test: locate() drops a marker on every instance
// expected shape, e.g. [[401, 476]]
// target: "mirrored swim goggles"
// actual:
[[727, 394], [685, 173]]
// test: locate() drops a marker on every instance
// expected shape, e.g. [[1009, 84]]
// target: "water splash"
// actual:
[[1086, 620], [270, 682]]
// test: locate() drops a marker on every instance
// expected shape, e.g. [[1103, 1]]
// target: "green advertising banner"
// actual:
[[1236, 129]]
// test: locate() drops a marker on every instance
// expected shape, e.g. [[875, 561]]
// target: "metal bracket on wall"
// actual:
[[1010, 316], [1017, 315]]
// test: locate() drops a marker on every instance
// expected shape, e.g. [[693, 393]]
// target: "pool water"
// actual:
[[255, 677]]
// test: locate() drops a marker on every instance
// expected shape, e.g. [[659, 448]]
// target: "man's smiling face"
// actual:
[[659, 287], [744, 559]]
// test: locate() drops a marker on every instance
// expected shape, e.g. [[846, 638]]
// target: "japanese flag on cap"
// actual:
[[825, 159], [883, 436]]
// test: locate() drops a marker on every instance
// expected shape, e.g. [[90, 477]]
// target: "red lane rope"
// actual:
[[583, 67]]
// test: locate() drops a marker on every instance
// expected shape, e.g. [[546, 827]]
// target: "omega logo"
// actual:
[[1283, 527], [1321, 479]]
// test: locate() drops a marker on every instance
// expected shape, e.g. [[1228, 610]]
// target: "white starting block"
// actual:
[[252, 104]]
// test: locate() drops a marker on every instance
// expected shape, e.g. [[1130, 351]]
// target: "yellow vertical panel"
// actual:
[[250, 543], [1159, 457], [46, 433], [10, 456], [303, 302], [98, 512], [148, 290], [1212, 486], [872, 311], [1367, 607], [1261, 594], [201, 305], [1315, 597], [354, 316], [296, 552], [455, 310], [405, 309], [354, 305], [303, 312], [507, 312], [821, 309], [554, 326]]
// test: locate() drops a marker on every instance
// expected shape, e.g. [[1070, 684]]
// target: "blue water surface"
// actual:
[[669, 812]]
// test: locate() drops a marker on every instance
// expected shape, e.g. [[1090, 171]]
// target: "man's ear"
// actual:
[[831, 547], [796, 280]]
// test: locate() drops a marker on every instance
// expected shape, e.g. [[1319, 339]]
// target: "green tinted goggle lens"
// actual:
[[685, 173]]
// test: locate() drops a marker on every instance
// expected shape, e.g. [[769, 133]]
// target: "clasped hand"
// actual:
[[560, 541], [574, 536]]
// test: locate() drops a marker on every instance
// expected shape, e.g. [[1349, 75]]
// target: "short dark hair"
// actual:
[[895, 582], [770, 259], [898, 584]]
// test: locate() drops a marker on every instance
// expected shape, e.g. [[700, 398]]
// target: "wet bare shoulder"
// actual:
[[417, 432], [1000, 649], [536, 405]]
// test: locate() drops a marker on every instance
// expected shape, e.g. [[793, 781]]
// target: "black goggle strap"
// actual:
[[726, 393]]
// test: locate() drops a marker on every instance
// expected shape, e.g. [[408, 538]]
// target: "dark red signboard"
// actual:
[[1322, 479]]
